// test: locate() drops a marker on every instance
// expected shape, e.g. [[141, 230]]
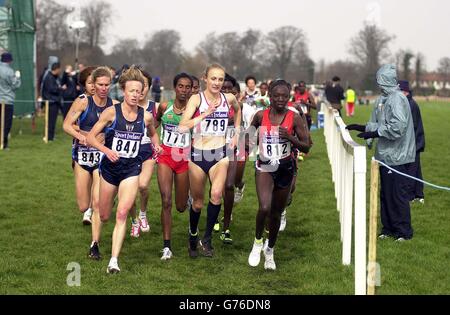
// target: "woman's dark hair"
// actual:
[[84, 75], [250, 77], [148, 77], [229, 78], [280, 82], [180, 76], [195, 79]]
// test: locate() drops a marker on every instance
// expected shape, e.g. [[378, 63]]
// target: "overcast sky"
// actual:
[[422, 26]]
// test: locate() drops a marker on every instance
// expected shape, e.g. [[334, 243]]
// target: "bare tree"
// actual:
[[125, 51], [444, 69], [283, 46], [403, 62], [419, 68], [97, 15], [370, 47], [52, 31], [163, 54]]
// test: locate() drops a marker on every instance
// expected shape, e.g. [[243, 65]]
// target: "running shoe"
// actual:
[[283, 221], [94, 252], [383, 237], [255, 256], [239, 194], [87, 217], [266, 244], [192, 247], [269, 264], [206, 249], [135, 230], [226, 238], [217, 227], [143, 222], [113, 267], [167, 254]]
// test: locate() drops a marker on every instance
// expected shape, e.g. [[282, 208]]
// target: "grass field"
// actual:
[[41, 232]]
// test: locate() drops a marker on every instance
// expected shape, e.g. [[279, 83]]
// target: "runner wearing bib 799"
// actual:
[[207, 114]]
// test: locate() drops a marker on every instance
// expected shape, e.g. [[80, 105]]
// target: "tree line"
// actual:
[[281, 53]]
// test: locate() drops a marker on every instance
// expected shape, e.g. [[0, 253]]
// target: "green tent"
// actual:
[[17, 35]]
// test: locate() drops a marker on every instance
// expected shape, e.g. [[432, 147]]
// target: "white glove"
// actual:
[[18, 74]]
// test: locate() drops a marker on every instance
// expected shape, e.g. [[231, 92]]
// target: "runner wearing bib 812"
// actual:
[[208, 114], [83, 115], [280, 130], [121, 166]]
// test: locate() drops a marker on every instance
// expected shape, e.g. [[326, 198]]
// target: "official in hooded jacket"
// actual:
[[392, 125]]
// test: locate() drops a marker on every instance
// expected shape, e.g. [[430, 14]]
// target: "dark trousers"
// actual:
[[9, 112], [395, 209], [415, 170], [53, 110], [66, 107]]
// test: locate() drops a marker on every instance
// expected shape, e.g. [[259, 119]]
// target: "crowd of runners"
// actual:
[[206, 135]]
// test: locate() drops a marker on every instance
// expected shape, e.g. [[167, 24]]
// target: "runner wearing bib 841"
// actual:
[[279, 132], [121, 166], [208, 115]]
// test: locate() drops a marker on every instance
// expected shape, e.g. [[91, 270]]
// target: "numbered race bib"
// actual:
[[231, 132], [215, 125], [174, 139], [146, 139], [275, 149], [126, 144], [89, 157], [304, 109]]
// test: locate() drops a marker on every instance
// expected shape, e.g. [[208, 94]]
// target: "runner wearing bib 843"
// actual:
[[121, 166], [208, 115], [82, 117]]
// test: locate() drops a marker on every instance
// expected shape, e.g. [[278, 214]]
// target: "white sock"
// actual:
[[113, 261], [142, 214]]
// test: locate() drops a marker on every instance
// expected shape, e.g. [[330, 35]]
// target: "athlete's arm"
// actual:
[[312, 102], [106, 118], [151, 130], [301, 138], [187, 123], [231, 99], [76, 110], [159, 114], [251, 132]]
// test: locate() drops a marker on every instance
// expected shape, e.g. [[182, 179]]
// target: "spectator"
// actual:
[[51, 91], [351, 100], [335, 94], [71, 89], [115, 92], [156, 90], [415, 168], [9, 83], [392, 124]]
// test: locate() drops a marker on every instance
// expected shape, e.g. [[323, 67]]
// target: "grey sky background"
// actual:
[[422, 26]]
